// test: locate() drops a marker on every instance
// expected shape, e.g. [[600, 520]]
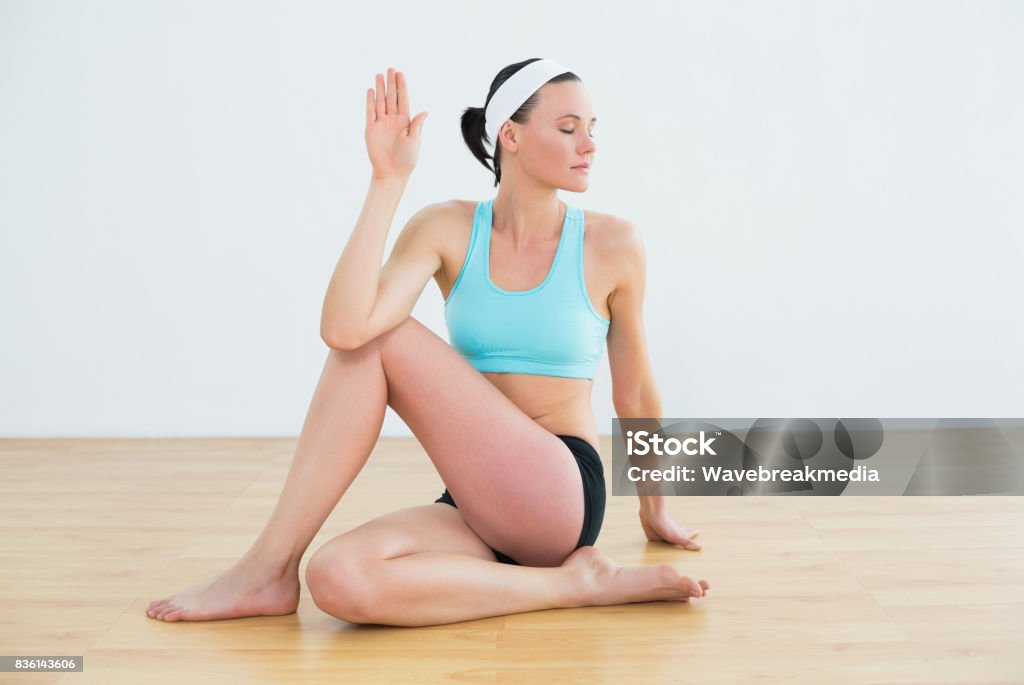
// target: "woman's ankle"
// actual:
[[274, 566]]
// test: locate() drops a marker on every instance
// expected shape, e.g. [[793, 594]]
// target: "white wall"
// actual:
[[830, 195]]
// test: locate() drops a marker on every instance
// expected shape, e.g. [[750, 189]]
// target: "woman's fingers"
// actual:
[[403, 94], [381, 110], [416, 125], [390, 97], [371, 113], [392, 92]]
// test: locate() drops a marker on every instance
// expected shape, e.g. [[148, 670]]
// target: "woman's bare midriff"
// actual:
[[559, 405]]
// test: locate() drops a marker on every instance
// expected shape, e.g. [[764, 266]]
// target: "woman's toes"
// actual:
[[162, 613], [694, 588]]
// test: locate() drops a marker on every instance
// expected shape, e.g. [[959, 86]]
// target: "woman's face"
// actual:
[[558, 136]]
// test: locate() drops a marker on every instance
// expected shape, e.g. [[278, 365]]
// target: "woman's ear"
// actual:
[[508, 134]]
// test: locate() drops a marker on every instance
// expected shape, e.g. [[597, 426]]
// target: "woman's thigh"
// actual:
[[517, 485]]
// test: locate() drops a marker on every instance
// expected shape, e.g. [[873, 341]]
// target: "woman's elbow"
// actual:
[[341, 341]]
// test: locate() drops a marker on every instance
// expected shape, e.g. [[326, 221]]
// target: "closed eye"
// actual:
[[564, 131]]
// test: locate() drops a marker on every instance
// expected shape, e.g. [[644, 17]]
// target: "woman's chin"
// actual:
[[579, 184]]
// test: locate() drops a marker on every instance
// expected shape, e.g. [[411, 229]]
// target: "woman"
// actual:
[[505, 416]]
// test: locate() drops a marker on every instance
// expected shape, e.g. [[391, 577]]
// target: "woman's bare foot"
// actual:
[[241, 590], [602, 582]]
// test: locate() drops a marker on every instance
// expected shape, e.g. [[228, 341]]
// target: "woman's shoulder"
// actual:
[[444, 209], [448, 215], [610, 233], [447, 224], [617, 249], [444, 216]]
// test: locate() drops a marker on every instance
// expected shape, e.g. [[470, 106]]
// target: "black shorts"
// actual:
[[594, 493]]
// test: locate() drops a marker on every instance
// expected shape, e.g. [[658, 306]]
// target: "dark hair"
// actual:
[[473, 117]]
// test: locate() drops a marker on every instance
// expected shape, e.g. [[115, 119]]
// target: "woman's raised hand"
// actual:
[[392, 141]]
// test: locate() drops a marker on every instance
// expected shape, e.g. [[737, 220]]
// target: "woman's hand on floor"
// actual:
[[659, 527]]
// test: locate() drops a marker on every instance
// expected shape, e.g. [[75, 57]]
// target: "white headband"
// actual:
[[515, 91]]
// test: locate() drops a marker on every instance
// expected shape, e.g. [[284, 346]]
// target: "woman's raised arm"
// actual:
[[392, 142]]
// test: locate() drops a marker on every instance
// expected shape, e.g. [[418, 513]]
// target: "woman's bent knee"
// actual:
[[340, 588], [399, 334]]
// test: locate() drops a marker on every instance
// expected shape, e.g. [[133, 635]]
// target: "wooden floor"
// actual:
[[805, 590]]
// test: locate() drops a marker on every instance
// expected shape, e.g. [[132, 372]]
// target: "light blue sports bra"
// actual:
[[550, 330]]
